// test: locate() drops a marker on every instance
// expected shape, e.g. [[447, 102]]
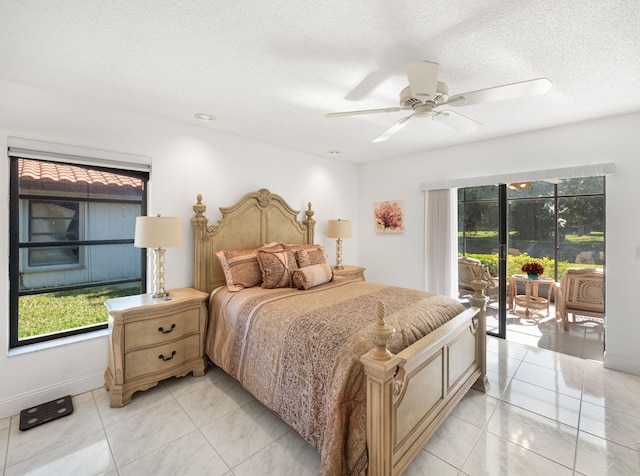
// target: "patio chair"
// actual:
[[471, 269], [581, 293]]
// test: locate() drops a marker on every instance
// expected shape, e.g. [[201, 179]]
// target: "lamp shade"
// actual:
[[157, 232], [339, 229]]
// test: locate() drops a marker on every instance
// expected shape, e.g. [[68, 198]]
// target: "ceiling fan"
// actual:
[[425, 96]]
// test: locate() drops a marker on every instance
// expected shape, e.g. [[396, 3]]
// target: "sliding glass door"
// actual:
[[558, 224], [482, 247]]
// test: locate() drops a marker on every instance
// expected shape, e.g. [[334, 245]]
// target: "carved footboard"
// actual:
[[409, 394]]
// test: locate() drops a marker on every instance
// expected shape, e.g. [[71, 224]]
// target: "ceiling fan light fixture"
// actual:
[[423, 110]]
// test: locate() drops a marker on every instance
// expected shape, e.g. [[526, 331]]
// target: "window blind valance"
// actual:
[[591, 170], [50, 151]]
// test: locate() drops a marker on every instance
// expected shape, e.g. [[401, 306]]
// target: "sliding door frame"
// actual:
[[502, 263]]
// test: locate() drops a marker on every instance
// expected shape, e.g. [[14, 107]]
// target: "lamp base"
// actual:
[[339, 254], [158, 274]]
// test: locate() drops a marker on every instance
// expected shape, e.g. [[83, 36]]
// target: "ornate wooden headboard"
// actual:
[[256, 219]]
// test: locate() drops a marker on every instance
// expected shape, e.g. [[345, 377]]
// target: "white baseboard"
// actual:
[[15, 404], [615, 362]]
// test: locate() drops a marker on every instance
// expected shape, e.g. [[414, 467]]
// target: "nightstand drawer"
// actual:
[[160, 330], [162, 357]]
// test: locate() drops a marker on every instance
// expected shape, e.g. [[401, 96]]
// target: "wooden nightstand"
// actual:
[[353, 272], [153, 339]]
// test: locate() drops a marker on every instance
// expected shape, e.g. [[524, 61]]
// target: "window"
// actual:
[[71, 246]]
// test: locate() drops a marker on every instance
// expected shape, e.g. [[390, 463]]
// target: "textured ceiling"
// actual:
[[271, 70]]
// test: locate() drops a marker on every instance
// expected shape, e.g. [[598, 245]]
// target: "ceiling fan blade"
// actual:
[[364, 111], [423, 79], [457, 121], [501, 93], [394, 128]]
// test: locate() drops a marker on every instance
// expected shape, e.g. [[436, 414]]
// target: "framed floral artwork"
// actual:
[[389, 216]]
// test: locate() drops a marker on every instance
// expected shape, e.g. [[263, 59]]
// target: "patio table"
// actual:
[[531, 299]]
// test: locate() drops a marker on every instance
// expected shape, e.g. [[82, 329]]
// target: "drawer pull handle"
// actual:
[[167, 358], [161, 329]]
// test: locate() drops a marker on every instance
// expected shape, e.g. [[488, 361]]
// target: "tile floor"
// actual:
[[544, 413], [584, 338]]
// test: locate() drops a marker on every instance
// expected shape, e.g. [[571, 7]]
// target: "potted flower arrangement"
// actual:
[[533, 269]]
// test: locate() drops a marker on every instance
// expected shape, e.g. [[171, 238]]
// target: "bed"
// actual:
[[365, 372]]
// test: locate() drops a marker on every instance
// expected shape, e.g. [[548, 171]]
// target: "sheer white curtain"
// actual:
[[441, 247]]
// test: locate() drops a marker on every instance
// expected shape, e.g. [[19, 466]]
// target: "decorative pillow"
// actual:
[[302, 257], [272, 247], [315, 253], [241, 268], [310, 276], [276, 267]]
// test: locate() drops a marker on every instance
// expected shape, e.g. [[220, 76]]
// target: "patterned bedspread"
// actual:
[[298, 352]]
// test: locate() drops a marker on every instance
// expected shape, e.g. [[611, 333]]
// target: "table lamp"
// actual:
[[157, 233], [339, 229]]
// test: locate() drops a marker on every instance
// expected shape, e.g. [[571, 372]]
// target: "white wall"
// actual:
[[399, 259], [187, 158]]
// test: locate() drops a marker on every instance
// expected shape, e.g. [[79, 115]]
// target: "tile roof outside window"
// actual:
[[36, 170]]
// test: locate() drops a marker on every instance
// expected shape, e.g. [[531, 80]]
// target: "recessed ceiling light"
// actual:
[[334, 152], [201, 116]]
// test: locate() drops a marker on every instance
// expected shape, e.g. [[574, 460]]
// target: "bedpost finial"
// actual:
[[381, 310], [309, 212], [199, 208], [478, 298], [380, 334], [310, 223]]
